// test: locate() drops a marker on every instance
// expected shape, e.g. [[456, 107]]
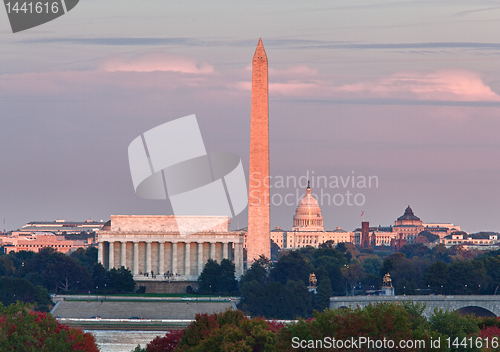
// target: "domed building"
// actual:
[[408, 219], [308, 214], [406, 228], [308, 227], [408, 225]]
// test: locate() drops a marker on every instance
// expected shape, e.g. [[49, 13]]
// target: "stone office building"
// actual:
[[153, 249]]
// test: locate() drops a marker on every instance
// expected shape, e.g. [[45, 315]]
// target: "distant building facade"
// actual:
[[60, 227], [37, 241], [153, 249], [308, 229], [470, 243], [405, 230]]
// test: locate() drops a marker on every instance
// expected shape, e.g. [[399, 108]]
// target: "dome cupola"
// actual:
[[308, 214]]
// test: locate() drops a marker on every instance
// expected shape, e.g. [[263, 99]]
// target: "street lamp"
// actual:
[[442, 290], [105, 287], [347, 267], [96, 295]]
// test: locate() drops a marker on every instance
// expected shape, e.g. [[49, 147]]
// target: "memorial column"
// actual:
[[200, 257], [212, 251], [100, 253], [124, 255], [111, 263], [136, 258], [187, 258], [148, 258], [224, 251], [174, 258], [161, 261]]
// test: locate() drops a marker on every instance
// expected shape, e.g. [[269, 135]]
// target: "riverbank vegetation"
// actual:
[[29, 276], [398, 324]]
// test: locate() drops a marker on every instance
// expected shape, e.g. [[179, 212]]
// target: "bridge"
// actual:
[[479, 305]]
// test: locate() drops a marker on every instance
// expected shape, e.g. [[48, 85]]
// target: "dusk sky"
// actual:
[[406, 91]]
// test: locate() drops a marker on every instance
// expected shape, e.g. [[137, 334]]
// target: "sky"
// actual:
[[406, 93]]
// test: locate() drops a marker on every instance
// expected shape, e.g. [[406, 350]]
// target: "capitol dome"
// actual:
[[308, 214]]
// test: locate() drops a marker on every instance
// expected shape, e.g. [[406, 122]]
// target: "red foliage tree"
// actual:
[[167, 343], [24, 330]]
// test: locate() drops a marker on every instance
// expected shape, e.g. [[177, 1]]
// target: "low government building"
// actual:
[[35, 242], [308, 229], [153, 249], [60, 227], [405, 230]]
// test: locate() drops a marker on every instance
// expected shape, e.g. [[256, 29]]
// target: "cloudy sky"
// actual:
[[406, 91]]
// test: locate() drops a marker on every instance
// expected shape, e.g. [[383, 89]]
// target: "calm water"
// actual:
[[123, 341]]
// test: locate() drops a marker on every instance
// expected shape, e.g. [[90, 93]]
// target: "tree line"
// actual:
[[280, 290], [402, 326], [30, 276]]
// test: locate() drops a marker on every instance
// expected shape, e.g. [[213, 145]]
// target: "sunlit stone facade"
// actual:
[[153, 249]]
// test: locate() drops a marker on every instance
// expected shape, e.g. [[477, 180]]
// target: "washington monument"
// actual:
[[258, 242]]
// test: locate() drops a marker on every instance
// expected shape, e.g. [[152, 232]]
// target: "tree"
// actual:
[[13, 289], [391, 262], [66, 275], [291, 267], [415, 250], [492, 265], [273, 300], [6, 266], [121, 280], [85, 257], [257, 272], [164, 344], [322, 298], [301, 298], [372, 265], [22, 330], [209, 278], [228, 331], [379, 322], [218, 279], [352, 273], [99, 275], [454, 325], [465, 276], [436, 276], [228, 284]]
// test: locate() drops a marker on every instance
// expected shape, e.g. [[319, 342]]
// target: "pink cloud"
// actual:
[[294, 81], [157, 62], [148, 71], [452, 85], [293, 72], [292, 88], [295, 88]]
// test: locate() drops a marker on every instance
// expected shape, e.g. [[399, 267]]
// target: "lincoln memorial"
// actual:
[[153, 249]]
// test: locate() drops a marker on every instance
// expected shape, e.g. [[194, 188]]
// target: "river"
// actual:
[[123, 341]]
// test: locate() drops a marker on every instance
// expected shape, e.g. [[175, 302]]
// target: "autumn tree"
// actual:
[[23, 330], [228, 331]]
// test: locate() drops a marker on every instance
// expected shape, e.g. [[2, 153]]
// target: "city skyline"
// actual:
[[407, 92]]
